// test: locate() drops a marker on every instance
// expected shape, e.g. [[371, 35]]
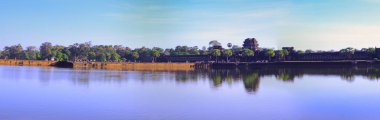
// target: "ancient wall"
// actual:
[[27, 62], [135, 66]]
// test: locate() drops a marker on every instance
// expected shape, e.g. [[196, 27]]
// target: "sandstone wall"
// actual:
[[27, 62], [136, 66]]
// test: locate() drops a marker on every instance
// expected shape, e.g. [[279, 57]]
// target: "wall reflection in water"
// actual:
[[217, 77]]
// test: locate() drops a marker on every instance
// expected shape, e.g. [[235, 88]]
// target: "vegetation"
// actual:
[[270, 53], [228, 53], [348, 51], [248, 53], [216, 53], [118, 53]]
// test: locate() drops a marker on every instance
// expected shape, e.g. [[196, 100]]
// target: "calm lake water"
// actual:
[[271, 93]]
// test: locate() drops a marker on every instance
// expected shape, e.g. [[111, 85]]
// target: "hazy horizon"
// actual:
[[317, 25]]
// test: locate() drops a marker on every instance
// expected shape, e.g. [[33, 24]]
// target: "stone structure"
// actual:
[[331, 56], [184, 58], [251, 43], [377, 50]]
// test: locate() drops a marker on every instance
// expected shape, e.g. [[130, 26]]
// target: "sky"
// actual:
[[303, 24]]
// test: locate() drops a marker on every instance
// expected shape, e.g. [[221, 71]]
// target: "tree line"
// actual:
[[88, 52]]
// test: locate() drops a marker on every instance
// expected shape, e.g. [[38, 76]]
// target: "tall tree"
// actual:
[[18, 51], [270, 53], [281, 54], [14, 52], [46, 50], [32, 52], [135, 55], [227, 53], [80, 51], [91, 56], [155, 54], [248, 52], [115, 57], [216, 53]]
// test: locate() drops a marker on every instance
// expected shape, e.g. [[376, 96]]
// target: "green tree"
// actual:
[[103, 58], [135, 55], [80, 51], [65, 57], [32, 52], [348, 52], [155, 54], [57, 52], [228, 53], [270, 53], [59, 56], [115, 57], [26, 55], [286, 53], [194, 50], [281, 54], [248, 53], [14, 52], [46, 50], [5, 54], [91, 55], [371, 50], [19, 52], [216, 53]]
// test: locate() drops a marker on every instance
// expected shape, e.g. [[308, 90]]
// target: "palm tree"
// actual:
[[216, 53], [270, 53], [228, 53]]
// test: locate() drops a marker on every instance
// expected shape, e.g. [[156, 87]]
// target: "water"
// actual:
[[270, 93]]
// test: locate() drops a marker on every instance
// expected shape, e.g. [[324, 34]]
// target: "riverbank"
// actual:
[[294, 64], [136, 66], [27, 63], [184, 66], [104, 65]]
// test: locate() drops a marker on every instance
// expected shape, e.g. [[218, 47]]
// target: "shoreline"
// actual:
[[160, 66]]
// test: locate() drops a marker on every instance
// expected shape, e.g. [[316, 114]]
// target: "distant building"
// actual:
[[251, 43], [330, 56], [183, 58]]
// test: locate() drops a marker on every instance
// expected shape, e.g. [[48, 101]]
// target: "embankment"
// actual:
[[103, 65], [27, 62], [294, 64], [135, 66], [185, 66]]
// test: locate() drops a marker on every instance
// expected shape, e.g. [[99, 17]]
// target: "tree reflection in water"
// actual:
[[217, 77]]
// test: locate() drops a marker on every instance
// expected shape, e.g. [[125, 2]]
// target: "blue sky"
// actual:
[[315, 24]]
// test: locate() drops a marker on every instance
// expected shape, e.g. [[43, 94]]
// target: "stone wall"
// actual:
[[134, 66], [27, 62]]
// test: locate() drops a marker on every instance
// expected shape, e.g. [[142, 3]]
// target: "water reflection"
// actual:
[[250, 78], [217, 77]]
